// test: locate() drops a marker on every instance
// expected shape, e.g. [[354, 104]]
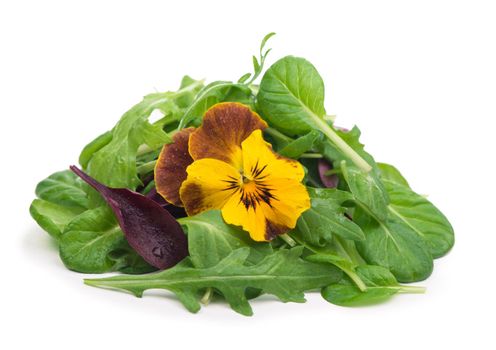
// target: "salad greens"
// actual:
[[366, 230]]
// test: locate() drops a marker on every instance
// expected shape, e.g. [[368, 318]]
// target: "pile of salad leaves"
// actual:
[[366, 232]]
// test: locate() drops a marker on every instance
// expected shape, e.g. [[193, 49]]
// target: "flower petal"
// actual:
[[170, 169], [265, 220], [209, 185], [224, 128], [260, 160]]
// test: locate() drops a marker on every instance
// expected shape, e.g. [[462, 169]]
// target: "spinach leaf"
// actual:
[[291, 98], [210, 240], [326, 217], [213, 93], [393, 245], [390, 173], [422, 217], [302, 144], [115, 163], [381, 285], [283, 274], [94, 243], [367, 189], [52, 217], [63, 188]]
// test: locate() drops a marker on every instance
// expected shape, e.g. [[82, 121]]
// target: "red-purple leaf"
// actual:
[[330, 181], [149, 229], [177, 212]]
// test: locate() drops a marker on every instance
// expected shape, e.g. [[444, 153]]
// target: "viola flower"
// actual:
[[226, 164]]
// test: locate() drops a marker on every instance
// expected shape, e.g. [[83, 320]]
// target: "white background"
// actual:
[[419, 78]]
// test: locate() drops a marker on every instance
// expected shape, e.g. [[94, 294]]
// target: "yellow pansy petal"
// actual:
[[259, 160], [266, 210], [224, 127], [209, 185], [252, 219]]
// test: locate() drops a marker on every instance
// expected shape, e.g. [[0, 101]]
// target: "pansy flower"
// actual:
[[226, 164]]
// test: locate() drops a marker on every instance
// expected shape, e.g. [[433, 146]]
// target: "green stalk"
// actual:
[[311, 155], [146, 167], [412, 289], [277, 134], [341, 145]]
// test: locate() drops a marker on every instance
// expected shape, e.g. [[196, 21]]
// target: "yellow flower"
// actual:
[[230, 167]]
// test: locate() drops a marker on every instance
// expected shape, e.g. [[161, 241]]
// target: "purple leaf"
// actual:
[[149, 229], [176, 212], [330, 181]]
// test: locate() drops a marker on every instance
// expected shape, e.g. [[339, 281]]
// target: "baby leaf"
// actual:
[[367, 189], [329, 181], [93, 147], [394, 245], [283, 274], [210, 240], [52, 217], [301, 145], [326, 217], [114, 164], [390, 173], [150, 229], [381, 285], [422, 217], [88, 240], [63, 188], [213, 93], [291, 98]]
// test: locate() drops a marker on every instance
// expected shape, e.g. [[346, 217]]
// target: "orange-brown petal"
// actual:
[[224, 127], [170, 170]]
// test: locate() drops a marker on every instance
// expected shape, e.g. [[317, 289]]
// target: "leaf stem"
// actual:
[[411, 289], [207, 297], [277, 134], [287, 238], [342, 145], [311, 155], [146, 167]]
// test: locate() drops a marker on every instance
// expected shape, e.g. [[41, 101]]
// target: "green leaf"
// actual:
[[93, 147], [367, 188], [301, 145], [63, 188], [210, 240], [213, 93], [94, 243], [395, 246], [291, 98], [381, 285], [115, 163], [326, 217], [52, 217], [422, 217], [390, 173], [283, 274]]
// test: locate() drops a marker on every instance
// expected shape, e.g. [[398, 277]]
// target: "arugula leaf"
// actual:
[[283, 274], [52, 217], [302, 144], [257, 65], [326, 217], [390, 173], [93, 147], [367, 189], [291, 98], [381, 285], [114, 164], [422, 217], [213, 93], [393, 245], [63, 188], [94, 243], [210, 240]]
